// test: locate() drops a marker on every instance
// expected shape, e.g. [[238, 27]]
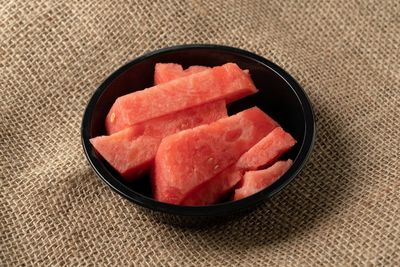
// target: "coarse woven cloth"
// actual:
[[342, 210]]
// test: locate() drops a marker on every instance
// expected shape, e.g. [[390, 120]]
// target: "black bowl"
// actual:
[[279, 95]]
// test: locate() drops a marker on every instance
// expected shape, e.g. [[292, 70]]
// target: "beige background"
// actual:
[[344, 208]]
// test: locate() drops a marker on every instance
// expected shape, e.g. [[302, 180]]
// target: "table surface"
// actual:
[[342, 210]]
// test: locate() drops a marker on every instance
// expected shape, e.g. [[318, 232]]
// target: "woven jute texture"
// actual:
[[342, 210]]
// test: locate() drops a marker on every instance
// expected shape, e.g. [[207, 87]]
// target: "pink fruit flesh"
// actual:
[[214, 189], [255, 181], [265, 152], [131, 151], [195, 69], [227, 82], [189, 158], [165, 72]]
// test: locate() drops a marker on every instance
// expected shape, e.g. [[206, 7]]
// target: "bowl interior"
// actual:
[[279, 96]]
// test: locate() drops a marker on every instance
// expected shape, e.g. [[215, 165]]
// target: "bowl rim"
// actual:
[[220, 209]]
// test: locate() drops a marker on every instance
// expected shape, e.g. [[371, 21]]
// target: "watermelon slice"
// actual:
[[165, 72], [195, 69], [255, 181], [189, 158], [214, 189], [227, 82], [269, 149], [266, 151], [131, 151]]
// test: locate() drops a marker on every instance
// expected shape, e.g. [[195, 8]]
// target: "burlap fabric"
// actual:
[[344, 208]]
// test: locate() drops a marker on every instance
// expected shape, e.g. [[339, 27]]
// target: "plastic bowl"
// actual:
[[279, 95]]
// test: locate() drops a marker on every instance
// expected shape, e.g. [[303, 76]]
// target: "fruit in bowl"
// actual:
[[198, 130]]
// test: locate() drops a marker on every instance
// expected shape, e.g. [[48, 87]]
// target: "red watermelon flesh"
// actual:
[[191, 157], [227, 82], [255, 181], [214, 189], [132, 150], [195, 69], [165, 72], [265, 152]]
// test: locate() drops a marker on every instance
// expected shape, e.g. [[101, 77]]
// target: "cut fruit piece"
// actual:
[[255, 181], [127, 152], [131, 151], [214, 189], [195, 69], [165, 72], [227, 82], [189, 158], [265, 152]]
